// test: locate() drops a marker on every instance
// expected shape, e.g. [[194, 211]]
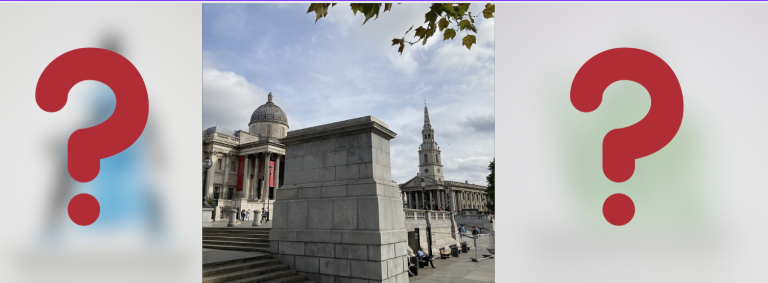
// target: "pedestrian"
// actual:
[[441, 209], [263, 215], [242, 215], [475, 231], [463, 230], [248, 215]]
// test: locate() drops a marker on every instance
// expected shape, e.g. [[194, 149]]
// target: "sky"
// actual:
[[339, 69]]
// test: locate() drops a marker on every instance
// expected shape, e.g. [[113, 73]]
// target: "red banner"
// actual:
[[240, 172], [271, 173]]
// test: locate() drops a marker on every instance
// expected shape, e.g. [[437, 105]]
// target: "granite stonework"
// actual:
[[343, 216]]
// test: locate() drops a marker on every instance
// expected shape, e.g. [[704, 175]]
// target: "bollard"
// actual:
[[232, 222]]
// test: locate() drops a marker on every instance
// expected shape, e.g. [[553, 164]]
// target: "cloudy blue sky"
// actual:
[[339, 69]]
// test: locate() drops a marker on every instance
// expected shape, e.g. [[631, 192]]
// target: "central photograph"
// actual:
[[349, 142]]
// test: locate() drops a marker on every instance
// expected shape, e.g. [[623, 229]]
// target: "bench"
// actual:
[[425, 261], [444, 254]]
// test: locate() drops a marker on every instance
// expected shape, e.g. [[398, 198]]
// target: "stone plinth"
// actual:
[[207, 211], [342, 218]]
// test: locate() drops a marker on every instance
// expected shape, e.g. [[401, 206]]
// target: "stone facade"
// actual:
[[342, 215], [246, 162]]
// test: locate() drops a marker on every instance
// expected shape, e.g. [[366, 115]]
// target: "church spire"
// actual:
[[427, 125]]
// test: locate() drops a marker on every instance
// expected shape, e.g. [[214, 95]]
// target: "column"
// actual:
[[277, 174], [211, 174], [439, 198], [246, 180], [256, 171], [226, 168], [265, 182]]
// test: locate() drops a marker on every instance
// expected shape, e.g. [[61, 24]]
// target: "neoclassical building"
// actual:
[[439, 193], [247, 164]]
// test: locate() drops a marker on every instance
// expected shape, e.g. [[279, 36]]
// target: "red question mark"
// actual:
[[86, 147], [622, 146]]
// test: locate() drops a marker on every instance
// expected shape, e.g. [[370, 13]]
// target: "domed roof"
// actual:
[[269, 112]]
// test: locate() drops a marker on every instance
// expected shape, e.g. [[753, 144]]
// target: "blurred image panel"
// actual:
[[141, 232]]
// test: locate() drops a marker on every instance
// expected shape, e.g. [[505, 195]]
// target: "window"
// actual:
[[425, 159], [426, 170], [232, 166], [425, 137], [437, 159], [216, 193], [269, 130], [219, 163], [438, 170], [230, 193]]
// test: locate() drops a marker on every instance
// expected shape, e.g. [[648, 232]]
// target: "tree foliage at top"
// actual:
[[491, 189], [446, 18]]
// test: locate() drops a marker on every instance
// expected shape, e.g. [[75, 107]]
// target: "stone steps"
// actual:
[[236, 244], [255, 269], [212, 265], [237, 248], [237, 238], [259, 274], [234, 267]]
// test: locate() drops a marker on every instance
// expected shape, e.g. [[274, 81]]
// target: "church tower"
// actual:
[[430, 165]]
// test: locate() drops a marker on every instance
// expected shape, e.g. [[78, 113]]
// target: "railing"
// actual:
[[473, 217]]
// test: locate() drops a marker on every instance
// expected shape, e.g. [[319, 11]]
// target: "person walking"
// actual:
[[242, 215], [263, 215], [475, 231], [248, 215], [463, 230]]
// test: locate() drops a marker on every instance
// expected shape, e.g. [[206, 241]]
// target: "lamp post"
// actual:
[[268, 195], [206, 165]]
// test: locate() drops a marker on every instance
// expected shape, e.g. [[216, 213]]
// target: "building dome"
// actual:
[[269, 112]]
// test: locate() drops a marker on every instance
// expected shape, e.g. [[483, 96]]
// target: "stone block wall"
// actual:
[[344, 220]]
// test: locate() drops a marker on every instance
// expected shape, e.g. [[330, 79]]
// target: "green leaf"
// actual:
[[320, 9], [449, 9], [438, 8], [395, 41], [464, 24], [459, 11], [449, 33], [387, 7], [369, 10], [430, 17], [489, 10], [443, 24], [420, 32], [464, 6], [468, 41]]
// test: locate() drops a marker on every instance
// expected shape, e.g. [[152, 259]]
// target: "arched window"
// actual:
[[425, 137], [436, 158], [425, 159]]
